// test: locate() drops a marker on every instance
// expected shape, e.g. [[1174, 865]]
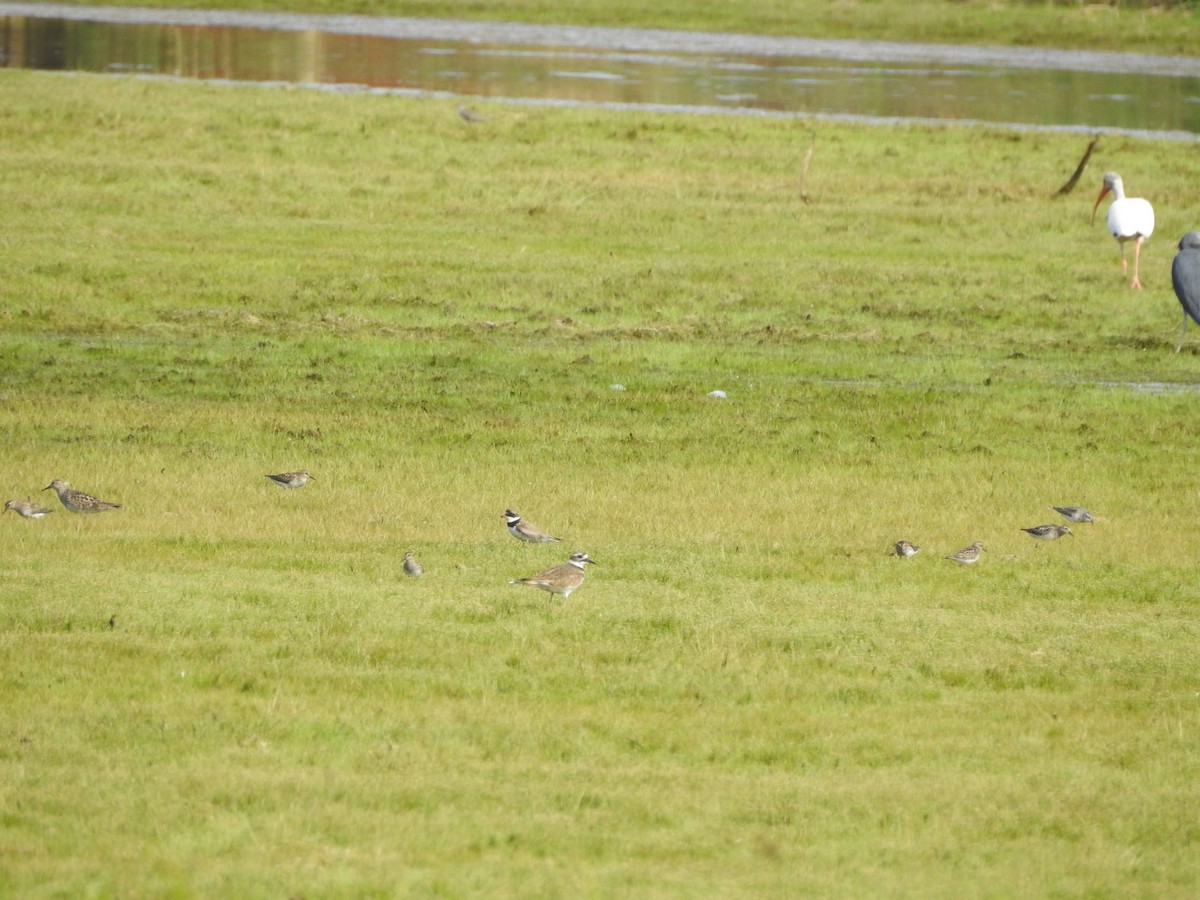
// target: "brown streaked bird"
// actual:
[[560, 579], [27, 509], [292, 480], [907, 549], [968, 555], [411, 566], [78, 501], [526, 531], [1048, 532]]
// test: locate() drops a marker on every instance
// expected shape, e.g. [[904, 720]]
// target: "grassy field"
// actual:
[[748, 697], [1144, 27]]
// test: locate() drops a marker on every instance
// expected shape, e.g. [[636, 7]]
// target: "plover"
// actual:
[[411, 566], [1048, 532], [1074, 513], [78, 501], [526, 531], [560, 579], [27, 509], [907, 549], [291, 480], [968, 555]]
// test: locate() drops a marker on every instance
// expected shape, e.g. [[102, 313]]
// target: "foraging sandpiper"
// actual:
[[411, 566], [470, 116], [968, 555], [560, 579], [27, 509], [78, 501], [1074, 513], [1048, 532], [526, 531], [291, 480], [907, 549]]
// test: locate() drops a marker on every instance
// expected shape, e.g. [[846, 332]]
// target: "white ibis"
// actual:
[[1185, 275], [1129, 219]]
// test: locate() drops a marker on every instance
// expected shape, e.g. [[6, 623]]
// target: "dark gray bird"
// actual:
[[1185, 275]]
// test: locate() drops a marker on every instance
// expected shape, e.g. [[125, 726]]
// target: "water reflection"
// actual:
[[781, 84]]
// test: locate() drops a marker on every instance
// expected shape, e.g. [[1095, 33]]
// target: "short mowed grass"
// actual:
[[748, 697]]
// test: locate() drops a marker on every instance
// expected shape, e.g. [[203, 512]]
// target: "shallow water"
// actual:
[[729, 73]]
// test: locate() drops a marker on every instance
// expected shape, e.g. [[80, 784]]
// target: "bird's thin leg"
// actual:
[[1137, 258], [1182, 332], [1124, 262]]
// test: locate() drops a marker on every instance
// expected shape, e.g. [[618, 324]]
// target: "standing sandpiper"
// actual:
[[411, 566], [526, 531], [560, 579], [1048, 532], [291, 480], [968, 555], [78, 501], [907, 549], [27, 509], [1074, 513]]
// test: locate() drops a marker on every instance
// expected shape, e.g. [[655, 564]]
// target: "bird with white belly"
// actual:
[[1129, 219]]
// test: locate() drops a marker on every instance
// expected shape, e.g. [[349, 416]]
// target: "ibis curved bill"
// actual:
[[1185, 275], [1129, 219]]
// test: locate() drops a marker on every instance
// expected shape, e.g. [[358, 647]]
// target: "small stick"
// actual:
[[1074, 179]]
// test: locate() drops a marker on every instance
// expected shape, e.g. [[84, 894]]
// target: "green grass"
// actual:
[[748, 697], [1144, 27]]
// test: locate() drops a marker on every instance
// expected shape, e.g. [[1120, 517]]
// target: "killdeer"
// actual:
[[968, 555], [907, 549], [1074, 513], [1048, 532], [27, 509], [411, 566], [291, 480], [526, 531], [560, 579], [78, 501]]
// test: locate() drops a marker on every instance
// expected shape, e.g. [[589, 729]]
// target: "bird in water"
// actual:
[[1129, 219], [1185, 276]]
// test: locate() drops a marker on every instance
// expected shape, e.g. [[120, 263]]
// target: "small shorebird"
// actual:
[[1074, 513], [411, 566], [526, 531], [968, 555], [27, 509], [78, 501], [291, 480], [907, 549], [470, 116], [560, 579], [1048, 532]]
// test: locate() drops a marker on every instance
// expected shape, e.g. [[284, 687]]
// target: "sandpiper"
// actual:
[[526, 531], [968, 555], [291, 480], [411, 566], [1074, 513], [78, 501], [470, 116], [1048, 532], [907, 549], [560, 579], [27, 509]]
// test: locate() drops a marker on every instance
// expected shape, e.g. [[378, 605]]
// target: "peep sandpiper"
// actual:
[[1048, 532], [526, 531], [291, 480], [560, 579], [78, 501], [907, 549], [470, 116], [27, 509], [411, 566], [1074, 513], [968, 555]]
